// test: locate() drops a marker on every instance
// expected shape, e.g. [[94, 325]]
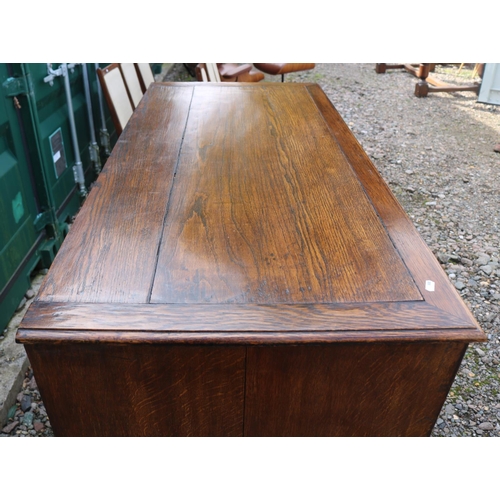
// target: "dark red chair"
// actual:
[[227, 72], [283, 68]]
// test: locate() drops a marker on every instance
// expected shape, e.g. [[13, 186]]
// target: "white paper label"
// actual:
[[429, 285], [57, 156]]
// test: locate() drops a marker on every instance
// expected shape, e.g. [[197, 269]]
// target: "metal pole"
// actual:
[[78, 168], [94, 147], [104, 132]]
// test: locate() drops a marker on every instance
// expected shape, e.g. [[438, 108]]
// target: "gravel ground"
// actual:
[[436, 154], [27, 418]]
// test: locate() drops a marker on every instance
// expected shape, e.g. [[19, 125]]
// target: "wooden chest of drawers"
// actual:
[[241, 268]]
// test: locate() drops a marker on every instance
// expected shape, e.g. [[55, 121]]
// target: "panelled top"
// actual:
[[220, 194], [225, 205]]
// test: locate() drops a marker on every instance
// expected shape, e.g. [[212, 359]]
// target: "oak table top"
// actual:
[[240, 268], [245, 214]]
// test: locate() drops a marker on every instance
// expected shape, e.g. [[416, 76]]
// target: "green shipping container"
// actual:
[[38, 190], [21, 238]]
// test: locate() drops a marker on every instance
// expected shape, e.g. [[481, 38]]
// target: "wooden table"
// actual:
[[241, 268], [428, 83]]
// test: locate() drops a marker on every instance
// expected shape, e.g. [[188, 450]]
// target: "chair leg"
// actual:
[[282, 77]]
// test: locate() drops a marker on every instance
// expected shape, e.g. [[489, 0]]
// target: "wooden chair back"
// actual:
[[227, 72], [207, 72], [145, 74], [132, 82], [116, 94], [213, 72]]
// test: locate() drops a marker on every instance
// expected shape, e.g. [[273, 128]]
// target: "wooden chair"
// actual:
[[146, 77], [207, 72], [283, 68], [227, 72], [231, 72], [116, 94], [132, 83]]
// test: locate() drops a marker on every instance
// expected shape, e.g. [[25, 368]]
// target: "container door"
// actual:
[[19, 203], [38, 191], [53, 133]]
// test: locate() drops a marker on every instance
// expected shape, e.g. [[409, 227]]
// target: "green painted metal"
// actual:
[[38, 192], [15, 86], [96, 111], [156, 68], [20, 240], [49, 112]]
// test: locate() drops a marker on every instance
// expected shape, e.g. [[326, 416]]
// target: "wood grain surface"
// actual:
[[348, 389], [126, 337], [240, 317], [416, 255], [208, 203], [110, 254], [96, 390], [266, 209]]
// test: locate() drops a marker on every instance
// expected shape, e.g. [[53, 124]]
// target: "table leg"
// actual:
[[422, 87]]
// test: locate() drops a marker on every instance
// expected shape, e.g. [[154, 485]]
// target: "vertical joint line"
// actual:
[[167, 208]]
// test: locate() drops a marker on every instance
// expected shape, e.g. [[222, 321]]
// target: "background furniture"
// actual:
[[283, 68], [207, 72], [242, 269], [227, 72], [132, 83], [428, 83], [145, 74], [477, 71], [122, 82], [116, 95]]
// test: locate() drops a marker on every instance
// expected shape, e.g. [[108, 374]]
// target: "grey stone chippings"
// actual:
[[486, 426], [25, 402], [27, 422]]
